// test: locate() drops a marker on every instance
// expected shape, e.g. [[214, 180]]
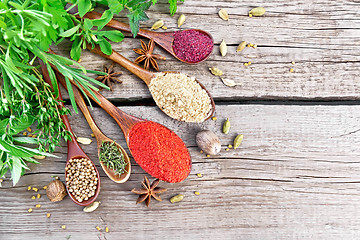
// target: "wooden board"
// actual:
[[294, 176]]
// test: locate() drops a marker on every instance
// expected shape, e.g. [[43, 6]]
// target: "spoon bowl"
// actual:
[[74, 149], [163, 39], [143, 74], [100, 138]]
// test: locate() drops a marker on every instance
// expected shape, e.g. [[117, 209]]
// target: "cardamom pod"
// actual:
[[229, 83], [223, 48], [223, 14], [38, 157], [158, 24], [92, 207], [226, 126], [241, 46], [177, 198], [238, 140], [181, 20], [257, 12], [215, 71], [84, 140]]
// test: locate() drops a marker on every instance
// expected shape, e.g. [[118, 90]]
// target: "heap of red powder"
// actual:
[[192, 45], [159, 151]]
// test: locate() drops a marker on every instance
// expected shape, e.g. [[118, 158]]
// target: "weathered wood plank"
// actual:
[[295, 176], [320, 36]]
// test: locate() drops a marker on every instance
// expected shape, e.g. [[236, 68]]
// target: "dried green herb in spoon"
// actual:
[[112, 157]]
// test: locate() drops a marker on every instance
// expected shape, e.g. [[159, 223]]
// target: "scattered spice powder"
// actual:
[[159, 151], [192, 45], [181, 97]]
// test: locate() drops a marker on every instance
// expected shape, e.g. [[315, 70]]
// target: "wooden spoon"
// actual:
[[163, 39], [74, 149], [100, 138], [143, 74]]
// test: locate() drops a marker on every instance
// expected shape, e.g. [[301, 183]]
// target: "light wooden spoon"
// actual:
[[100, 138], [143, 74], [74, 149]]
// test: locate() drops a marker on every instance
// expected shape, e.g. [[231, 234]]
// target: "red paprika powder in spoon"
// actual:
[[159, 151]]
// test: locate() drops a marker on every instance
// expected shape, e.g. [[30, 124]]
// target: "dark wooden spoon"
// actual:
[[100, 138], [163, 39], [74, 149], [143, 74]]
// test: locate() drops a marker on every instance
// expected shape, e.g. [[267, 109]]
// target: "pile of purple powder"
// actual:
[[192, 45]]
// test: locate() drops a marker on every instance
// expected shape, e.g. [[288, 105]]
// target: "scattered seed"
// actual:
[[92, 135], [98, 228], [227, 82], [246, 64], [250, 15], [214, 118], [199, 174], [29, 135], [249, 63], [33, 197], [164, 27], [38, 196], [181, 20], [223, 14], [63, 226], [158, 24], [30, 210], [293, 63], [238, 140], [45, 187], [106, 229], [84, 140], [255, 46], [230, 146], [177, 198], [28, 129], [241, 46], [39, 157], [257, 12], [223, 48], [215, 71], [24, 133], [29, 188], [197, 193], [291, 70], [37, 205], [33, 136], [227, 149], [48, 215], [79, 61], [201, 151], [208, 155], [35, 189]]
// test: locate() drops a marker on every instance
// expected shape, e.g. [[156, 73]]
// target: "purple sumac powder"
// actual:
[[192, 45]]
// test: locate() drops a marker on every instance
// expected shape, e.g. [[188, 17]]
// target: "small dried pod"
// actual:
[[238, 140], [227, 82], [215, 71], [158, 24], [38, 157], [257, 12], [226, 126], [84, 140], [92, 207], [181, 20], [241, 46], [56, 191], [177, 198], [223, 48], [223, 14], [208, 142]]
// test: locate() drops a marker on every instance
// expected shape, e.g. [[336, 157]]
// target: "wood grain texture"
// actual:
[[320, 36], [294, 177]]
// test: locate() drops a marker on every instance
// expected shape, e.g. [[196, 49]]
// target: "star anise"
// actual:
[[147, 55], [110, 76], [148, 191]]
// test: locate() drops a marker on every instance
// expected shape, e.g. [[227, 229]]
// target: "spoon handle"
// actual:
[[124, 120], [74, 148], [143, 74]]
